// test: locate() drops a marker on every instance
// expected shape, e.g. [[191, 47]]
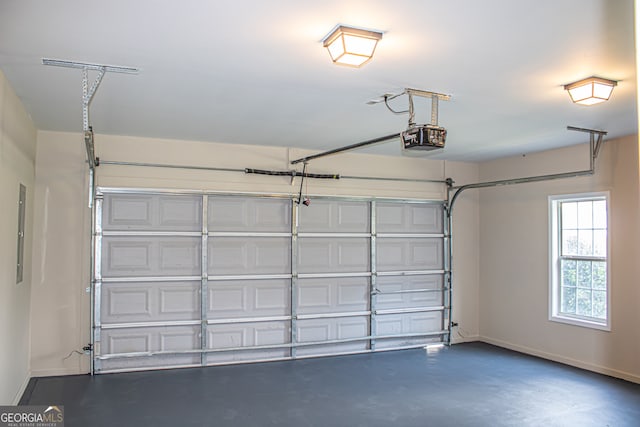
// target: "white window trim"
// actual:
[[554, 271]]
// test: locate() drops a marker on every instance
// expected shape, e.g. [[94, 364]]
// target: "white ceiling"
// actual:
[[255, 72]]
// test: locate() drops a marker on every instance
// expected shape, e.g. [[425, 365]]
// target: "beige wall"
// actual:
[[61, 306], [500, 236], [466, 246], [17, 155], [514, 258]]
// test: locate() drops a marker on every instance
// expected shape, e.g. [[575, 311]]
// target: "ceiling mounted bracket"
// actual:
[[595, 141], [89, 92], [435, 97], [87, 96], [418, 136]]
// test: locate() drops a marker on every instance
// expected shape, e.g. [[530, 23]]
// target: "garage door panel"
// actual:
[[333, 349], [247, 335], [163, 338], [152, 362], [431, 297], [249, 298], [180, 213], [128, 212], [127, 303], [180, 257], [180, 301], [127, 341], [331, 295], [332, 328], [335, 216], [327, 329], [179, 340], [151, 274], [409, 300], [246, 255], [409, 218], [150, 301], [394, 343], [408, 323], [249, 214], [151, 256], [123, 211], [246, 356], [409, 282], [333, 255], [397, 254]]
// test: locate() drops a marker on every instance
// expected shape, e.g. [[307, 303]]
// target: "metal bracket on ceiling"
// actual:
[[594, 148], [435, 98], [88, 92], [87, 96], [595, 143]]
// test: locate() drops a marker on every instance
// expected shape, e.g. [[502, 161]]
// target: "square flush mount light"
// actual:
[[590, 91], [350, 46]]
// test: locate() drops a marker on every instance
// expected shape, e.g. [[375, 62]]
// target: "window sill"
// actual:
[[581, 322]]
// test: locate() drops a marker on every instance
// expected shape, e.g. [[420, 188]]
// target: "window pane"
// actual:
[[600, 304], [600, 275], [600, 214], [584, 274], [600, 243], [568, 303], [570, 242], [569, 272], [585, 242], [569, 215], [583, 303], [580, 288], [585, 214]]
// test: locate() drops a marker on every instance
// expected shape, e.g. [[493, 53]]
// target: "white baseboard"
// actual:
[[563, 359], [56, 372], [460, 340], [23, 387]]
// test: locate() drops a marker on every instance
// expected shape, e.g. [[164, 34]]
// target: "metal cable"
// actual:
[[386, 98]]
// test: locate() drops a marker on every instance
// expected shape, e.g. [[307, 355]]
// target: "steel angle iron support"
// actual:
[[204, 283], [435, 97], [88, 93], [294, 290], [373, 285], [453, 192], [96, 284], [594, 148], [87, 96], [447, 292]]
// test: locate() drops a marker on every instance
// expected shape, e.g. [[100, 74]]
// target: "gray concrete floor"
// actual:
[[471, 384]]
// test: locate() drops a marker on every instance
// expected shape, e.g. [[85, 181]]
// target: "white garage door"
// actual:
[[205, 279]]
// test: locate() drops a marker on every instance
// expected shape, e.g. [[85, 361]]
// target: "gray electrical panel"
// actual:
[[22, 200]]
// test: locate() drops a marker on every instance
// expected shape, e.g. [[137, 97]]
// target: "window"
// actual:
[[579, 285]]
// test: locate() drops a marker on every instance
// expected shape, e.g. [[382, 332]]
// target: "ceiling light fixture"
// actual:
[[350, 46], [590, 91]]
